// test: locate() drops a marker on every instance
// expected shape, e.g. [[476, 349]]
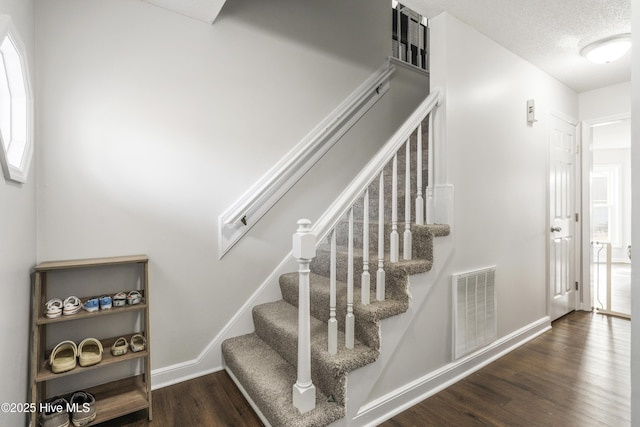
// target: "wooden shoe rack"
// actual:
[[114, 397]]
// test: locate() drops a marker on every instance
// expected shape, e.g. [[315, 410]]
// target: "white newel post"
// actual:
[[304, 250]]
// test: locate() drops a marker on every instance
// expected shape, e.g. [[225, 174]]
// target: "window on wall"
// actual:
[[605, 204], [16, 109]]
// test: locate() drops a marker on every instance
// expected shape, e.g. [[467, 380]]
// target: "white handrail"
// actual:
[[253, 204], [372, 170]]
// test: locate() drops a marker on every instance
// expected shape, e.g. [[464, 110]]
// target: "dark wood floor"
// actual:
[[575, 375]]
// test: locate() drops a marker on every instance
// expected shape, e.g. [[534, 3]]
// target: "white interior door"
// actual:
[[562, 229]]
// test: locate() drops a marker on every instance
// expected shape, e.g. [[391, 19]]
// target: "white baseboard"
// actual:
[[391, 404]]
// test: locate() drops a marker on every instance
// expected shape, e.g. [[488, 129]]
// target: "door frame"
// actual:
[[586, 159], [578, 203]]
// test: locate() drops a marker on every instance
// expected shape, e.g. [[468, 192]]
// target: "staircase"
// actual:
[[263, 363]]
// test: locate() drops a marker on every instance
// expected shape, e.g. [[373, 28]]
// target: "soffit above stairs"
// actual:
[[202, 10]]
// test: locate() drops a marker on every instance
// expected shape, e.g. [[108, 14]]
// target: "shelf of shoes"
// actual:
[[45, 373]]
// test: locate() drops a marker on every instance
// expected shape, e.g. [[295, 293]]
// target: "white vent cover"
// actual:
[[474, 310]]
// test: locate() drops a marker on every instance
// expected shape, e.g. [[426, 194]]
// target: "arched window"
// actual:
[[16, 106]]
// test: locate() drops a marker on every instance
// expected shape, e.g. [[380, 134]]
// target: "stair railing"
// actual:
[[325, 228]]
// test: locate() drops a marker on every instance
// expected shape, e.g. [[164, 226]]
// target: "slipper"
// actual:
[[53, 308], [119, 299], [134, 297], [138, 343], [120, 347], [63, 357], [90, 352], [71, 305]]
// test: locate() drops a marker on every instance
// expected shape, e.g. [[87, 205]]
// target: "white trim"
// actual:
[[238, 219], [393, 403]]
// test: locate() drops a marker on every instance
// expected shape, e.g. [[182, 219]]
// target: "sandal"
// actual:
[[119, 299], [53, 308], [90, 352], [63, 357], [138, 343], [134, 297], [120, 347], [72, 305]]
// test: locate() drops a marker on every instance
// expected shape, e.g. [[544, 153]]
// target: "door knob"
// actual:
[[555, 229]]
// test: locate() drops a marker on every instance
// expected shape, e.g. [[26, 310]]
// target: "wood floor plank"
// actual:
[[577, 374]]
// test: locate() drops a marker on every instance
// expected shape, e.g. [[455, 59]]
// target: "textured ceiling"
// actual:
[[547, 33]]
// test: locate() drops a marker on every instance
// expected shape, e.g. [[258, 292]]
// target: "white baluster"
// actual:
[[304, 250], [394, 239], [430, 174], [406, 250], [332, 323], [419, 199], [365, 281], [380, 277], [349, 328]]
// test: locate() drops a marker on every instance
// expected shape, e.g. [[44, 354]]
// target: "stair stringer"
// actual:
[[360, 382]]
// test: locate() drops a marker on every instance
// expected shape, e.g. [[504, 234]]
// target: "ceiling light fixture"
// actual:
[[608, 49]]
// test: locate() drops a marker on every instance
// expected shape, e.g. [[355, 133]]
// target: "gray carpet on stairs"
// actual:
[[264, 362], [268, 378]]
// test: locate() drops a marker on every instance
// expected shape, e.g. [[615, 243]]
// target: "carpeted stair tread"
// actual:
[[282, 318], [396, 273], [367, 317], [319, 290], [276, 323], [268, 379], [422, 237]]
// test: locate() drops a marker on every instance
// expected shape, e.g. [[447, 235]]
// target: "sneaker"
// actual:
[[71, 305], [55, 413], [83, 407], [119, 299], [105, 302], [134, 297], [91, 304]]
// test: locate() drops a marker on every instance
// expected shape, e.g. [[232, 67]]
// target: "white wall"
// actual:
[[153, 123], [17, 253], [498, 165], [635, 233], [605, 102]]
